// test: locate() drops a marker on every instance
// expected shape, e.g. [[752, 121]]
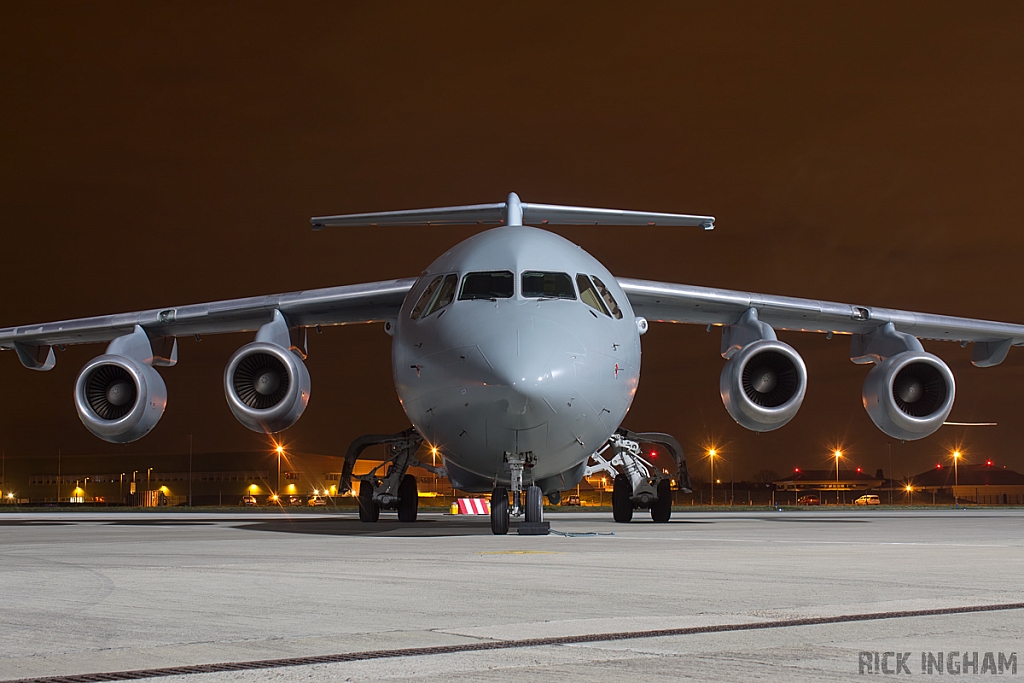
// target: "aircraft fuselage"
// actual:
[[516, 342]]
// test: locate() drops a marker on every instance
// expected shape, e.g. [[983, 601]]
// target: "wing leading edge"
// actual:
[[344, 305], [667, 302]]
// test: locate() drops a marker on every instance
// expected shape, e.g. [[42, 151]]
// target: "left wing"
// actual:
[[348, 304], [666, 302]]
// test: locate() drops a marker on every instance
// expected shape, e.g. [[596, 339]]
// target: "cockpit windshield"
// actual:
[[538, 285], [487, 285]]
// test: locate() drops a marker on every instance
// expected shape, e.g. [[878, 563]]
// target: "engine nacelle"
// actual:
[[119, 399], [908, 396], [763, 385], [267, 387]]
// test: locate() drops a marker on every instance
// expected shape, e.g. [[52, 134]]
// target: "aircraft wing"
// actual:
[[344, 305], [667, 302]]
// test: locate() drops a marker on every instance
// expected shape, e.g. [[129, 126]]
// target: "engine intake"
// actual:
[[763, 385], [267, 387], [908, 396], [119, 399]]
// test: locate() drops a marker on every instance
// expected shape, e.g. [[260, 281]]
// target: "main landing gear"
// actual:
[[397, 489], [531, 509], [637, 484]]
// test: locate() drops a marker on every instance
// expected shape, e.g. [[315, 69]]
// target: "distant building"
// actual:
[[824, 484], [168, 479], [984, 484]]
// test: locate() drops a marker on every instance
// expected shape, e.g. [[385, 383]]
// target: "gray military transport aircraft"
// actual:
[[516, 356]]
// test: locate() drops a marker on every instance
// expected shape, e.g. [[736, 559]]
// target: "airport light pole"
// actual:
[[711, 454], [838, 453], [148, 479], [956, 478], [279, 449]]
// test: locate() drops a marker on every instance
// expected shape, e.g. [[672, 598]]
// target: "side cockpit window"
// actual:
[[445, 295], [425, 298], [589, 295], [438, 294], [497, 284], [609, 300], [538, 285]]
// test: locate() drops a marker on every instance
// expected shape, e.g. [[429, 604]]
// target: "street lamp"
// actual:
[[279, 449], [712, 452], [838, 453], [956, 478], [148, 473], [910, 493]]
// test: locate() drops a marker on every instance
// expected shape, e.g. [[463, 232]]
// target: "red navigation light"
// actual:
[[989, 463], [796, 469], [654, 454], [938, 466], [858, 470]]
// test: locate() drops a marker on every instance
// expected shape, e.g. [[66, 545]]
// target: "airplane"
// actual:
[[515, 356]]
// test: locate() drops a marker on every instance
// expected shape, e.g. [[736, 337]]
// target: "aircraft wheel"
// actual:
[[661, 511], [408, 499], [368, 510], [622, 506], [534, 504], [499, 511]]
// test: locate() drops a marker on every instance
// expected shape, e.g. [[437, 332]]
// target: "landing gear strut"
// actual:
[[397, 489], [530, 506], [638, 483]]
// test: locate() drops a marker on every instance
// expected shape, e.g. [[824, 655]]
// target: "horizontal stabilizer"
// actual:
[[513, 212]]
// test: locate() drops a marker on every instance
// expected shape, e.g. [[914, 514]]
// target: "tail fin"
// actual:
[[513, 212]]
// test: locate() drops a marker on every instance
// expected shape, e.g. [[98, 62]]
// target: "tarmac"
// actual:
[[791, 595]]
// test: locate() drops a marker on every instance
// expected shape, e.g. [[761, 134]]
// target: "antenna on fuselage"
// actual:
[[513, 212]]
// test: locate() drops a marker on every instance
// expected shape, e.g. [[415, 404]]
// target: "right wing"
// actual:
[[344, 305]]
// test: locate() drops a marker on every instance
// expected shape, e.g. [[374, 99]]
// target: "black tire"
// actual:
[[408, 499], [622, 506], [368, 510], [534, 504], [661, 511], [499, 511]]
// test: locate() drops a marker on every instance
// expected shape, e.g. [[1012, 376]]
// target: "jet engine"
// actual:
[[763, 385], [908, 396], [267, 387], [119, 399]]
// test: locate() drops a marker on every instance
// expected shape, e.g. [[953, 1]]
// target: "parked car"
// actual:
[[249, 501], [808, 500], [573, 500], [868, 500], [295, 500], [316, 501]]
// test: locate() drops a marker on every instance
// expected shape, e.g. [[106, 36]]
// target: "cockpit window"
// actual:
[[589, 295], [444, 296], [609, 300], [425, 298], [488, 285], [547, 286]]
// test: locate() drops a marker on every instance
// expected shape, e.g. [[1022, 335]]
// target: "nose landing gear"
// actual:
[[531, 509]]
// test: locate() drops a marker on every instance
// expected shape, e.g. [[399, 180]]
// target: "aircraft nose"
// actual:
[[528, 367]]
